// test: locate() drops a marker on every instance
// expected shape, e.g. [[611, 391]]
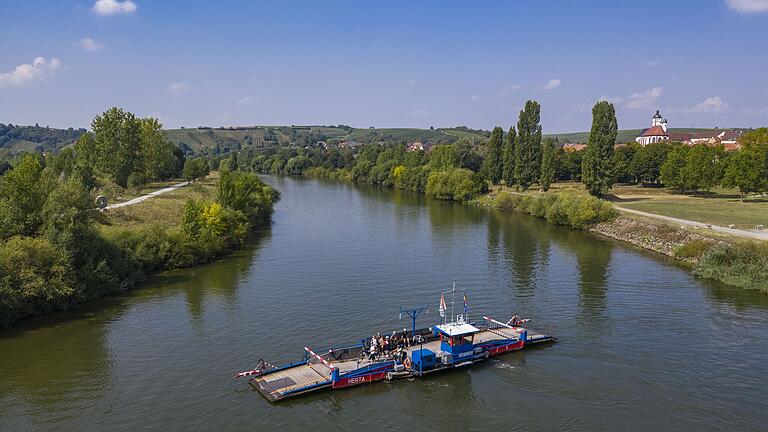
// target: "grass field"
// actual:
[[164, 210], [723, 207]]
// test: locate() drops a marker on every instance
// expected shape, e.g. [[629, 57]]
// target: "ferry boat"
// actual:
[[453, 343]]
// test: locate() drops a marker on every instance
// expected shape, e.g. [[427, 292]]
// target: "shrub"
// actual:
[[566, 208], [692, 249], [35, 277], [506, 201], [458, 184], [741, 264]]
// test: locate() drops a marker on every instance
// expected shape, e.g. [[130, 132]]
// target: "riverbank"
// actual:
[[112, 251], [711, 255]]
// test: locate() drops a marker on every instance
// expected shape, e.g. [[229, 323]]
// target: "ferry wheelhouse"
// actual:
[[451, 344]]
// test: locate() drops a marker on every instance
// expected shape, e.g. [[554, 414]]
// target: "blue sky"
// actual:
[[384, 64]]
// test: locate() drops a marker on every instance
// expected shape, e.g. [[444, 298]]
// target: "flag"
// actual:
[[442, 305], [465, 304]]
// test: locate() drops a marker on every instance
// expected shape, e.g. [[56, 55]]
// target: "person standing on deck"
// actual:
[[405, 338]]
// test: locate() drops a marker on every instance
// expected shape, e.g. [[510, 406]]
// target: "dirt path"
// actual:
[[755, 235], [146, 197]]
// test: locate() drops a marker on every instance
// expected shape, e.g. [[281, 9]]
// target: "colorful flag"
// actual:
[[442, 305], [465, 304]]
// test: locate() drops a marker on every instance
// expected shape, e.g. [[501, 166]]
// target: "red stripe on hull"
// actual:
[[506, 348], [364, 379]]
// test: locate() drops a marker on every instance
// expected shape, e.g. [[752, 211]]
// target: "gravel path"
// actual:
[[755, 235], [145, 197]]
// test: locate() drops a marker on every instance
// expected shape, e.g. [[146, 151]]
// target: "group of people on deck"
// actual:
[[390, 346]]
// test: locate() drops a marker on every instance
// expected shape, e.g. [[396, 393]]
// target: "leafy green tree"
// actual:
[[443, 157], [647, 161], [22, 194], [569, 167], [672, 172], [548, 148], [246, 193], [528, 147], [703, 167], [596, 171], [508, 157], [492, 166], [744, 170], [118, 144], [467, 157], [195, 169], [159, 156], [622, 162]]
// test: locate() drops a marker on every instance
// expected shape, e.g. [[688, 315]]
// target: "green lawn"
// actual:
[[165, 209]]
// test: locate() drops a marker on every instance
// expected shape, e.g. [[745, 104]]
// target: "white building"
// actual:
[[656, 133]]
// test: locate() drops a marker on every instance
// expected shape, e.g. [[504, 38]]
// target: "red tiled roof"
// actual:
[[655, 131]]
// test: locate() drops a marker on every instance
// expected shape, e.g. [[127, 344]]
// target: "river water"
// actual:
[[643, 345]]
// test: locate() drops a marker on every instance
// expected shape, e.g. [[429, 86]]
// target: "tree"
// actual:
[[466, 156], [158, 155], [672, 172], [703, 168], [118, 144], [548, 148], [492, 167], [22, 194], [442, 157], [195, 169], [622, 162], [647, 161], [744, 170], [596, 170], [528, 146], [508, 157]]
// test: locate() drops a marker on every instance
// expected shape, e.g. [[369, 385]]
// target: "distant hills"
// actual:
[[213, 141], [17, 139]]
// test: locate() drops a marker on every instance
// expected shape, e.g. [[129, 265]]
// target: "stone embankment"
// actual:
[[655, 237]]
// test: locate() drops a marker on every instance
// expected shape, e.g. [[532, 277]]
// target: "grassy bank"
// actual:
[[742, 264], [89, 254]]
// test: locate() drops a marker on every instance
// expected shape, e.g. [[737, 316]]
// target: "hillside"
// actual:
[[17, 139]]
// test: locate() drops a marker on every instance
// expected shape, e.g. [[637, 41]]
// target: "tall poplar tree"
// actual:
[[528, 148], [548, 148], [492, 166], [596, 170], [508, 157]]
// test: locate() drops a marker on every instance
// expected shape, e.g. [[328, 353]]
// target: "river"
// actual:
[[643, 344]]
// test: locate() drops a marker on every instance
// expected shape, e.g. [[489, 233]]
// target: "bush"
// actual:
[[458, 184], [246, 193], [506, 201], [742, 264], [692, 249], [566, 208], [35, 277]]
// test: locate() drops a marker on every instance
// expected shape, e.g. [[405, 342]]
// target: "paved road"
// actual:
[[145, 197], [755, 235]]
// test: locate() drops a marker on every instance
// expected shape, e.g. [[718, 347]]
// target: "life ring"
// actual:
[[407, 363]]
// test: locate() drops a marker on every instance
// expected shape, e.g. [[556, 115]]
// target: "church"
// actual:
[[656, 133]]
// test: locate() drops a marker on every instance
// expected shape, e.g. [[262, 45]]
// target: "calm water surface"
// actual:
[[643, 344]]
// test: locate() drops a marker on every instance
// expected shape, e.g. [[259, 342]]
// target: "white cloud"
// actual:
[[89, 45], [179, 87], [748, 6], [651, 63], [552, 84], [245, 101], [114, 7], [474, 97], [614, 100], [644, 100], [713, 104], [510, 89], [25, 74]]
